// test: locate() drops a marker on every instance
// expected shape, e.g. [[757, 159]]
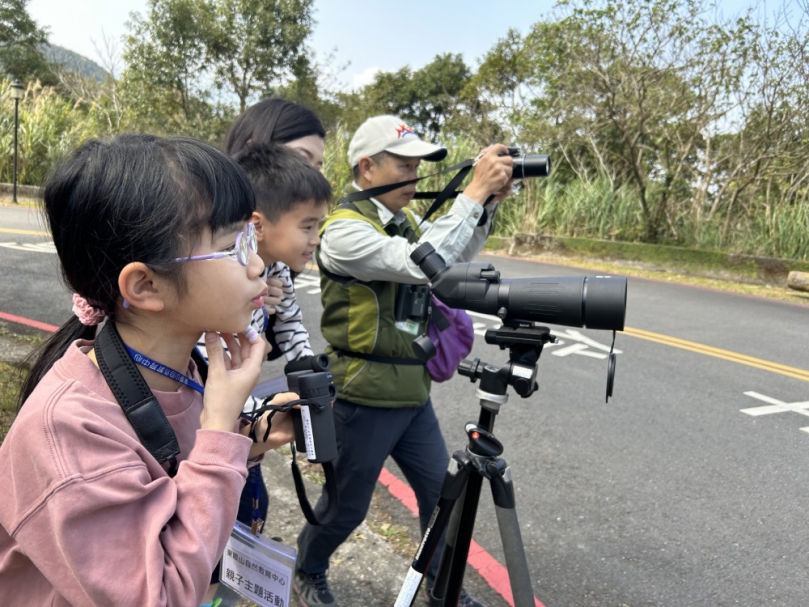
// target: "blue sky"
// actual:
[[369, 35]]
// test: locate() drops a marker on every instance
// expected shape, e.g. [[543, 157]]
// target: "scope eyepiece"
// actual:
[[428, 261]]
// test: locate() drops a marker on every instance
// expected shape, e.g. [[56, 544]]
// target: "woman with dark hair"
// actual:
[[279, 121]]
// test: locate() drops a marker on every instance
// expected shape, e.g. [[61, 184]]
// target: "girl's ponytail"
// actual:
[[42, 358]]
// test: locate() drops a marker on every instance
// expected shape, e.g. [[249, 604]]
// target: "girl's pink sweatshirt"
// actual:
[[88, 516]]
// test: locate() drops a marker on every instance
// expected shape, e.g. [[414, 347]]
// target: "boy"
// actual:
[[291, 198]]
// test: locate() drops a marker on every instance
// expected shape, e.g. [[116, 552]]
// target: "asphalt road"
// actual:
[[670, 495]]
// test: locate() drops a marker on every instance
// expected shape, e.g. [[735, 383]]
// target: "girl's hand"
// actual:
[[275, 293], [281, 432], [231, 378]]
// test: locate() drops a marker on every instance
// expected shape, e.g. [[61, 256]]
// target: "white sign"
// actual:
[[776, 406], [258, 568]]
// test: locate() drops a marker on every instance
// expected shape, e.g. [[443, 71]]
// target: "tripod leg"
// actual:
[[451, 489], [439, 589], [504, 505], [460, 553]]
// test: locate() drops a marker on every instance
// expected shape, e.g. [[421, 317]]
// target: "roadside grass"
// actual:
[[398, 536], [11, 378]]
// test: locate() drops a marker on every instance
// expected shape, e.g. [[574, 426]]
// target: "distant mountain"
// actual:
[[73, 62]]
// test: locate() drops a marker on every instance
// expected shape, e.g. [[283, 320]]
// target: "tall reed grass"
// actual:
[[50, 126]]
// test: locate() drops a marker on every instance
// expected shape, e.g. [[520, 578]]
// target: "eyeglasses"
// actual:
[[245, 242]]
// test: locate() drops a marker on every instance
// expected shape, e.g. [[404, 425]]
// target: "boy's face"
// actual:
[[293, 238]]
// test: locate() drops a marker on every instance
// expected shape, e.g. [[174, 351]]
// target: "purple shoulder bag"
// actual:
[[452, 343]]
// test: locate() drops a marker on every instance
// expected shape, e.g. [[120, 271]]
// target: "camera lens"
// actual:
[[531, 165]]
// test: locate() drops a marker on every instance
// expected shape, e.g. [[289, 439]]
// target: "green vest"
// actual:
[[359, 318]]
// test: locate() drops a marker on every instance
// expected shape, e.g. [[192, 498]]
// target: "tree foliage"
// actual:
[[21, 41], [251, 45], [166, 81]]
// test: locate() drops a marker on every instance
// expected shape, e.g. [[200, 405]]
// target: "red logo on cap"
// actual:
[[403, 130]]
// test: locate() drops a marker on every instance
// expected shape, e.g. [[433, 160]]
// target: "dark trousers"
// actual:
[[366, 436]]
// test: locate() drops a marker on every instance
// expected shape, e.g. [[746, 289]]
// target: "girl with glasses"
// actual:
[[152, 234]]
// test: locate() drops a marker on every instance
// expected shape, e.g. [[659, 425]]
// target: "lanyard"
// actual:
[[266, 318], [148, 363]]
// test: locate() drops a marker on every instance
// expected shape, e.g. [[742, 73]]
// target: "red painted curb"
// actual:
[[27, 321], [495, 574]]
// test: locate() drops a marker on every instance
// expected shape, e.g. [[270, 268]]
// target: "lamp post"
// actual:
[[17, 93]]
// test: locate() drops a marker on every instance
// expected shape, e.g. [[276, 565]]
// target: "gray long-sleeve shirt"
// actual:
[[352, 247]]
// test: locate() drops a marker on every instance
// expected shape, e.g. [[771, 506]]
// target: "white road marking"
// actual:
[[489, 317], [578, 349], [776, 406], [581, 347], [304, 281], [38, 247], [579, 337]]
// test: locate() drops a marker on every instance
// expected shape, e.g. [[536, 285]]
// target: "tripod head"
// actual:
[[524, 342]]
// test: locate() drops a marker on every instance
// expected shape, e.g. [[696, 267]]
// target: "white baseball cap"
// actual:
[[390, 134]]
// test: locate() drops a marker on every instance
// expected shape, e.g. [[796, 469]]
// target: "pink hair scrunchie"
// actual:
[[88, 315]]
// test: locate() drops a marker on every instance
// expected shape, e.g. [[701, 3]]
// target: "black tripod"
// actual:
[[460, 493]]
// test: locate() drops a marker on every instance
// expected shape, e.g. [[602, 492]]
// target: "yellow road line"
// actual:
[[29, 232], [719, 353]]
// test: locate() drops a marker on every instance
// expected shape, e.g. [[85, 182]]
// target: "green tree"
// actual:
[[166, 79], [628, 89], [252, 45], [435, 99], [311, 86], [21, 40]]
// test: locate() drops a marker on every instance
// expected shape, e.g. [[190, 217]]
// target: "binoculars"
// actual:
[[310, 378]]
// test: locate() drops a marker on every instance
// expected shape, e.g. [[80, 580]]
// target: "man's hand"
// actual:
[[504, 192], [492, 173], [275, 292]]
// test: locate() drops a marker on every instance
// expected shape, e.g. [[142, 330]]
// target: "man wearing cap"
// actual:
[[383, 406]]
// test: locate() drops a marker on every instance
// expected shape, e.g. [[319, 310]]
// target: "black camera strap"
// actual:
[[329, 472], [136, 399], [441, 197], [156, 434], [333, 500]]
